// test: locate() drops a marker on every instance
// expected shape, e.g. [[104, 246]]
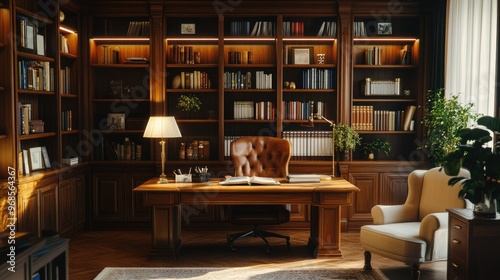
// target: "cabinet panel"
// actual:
[[108, 196], [72, 204], [49, 218], [137, 210], [365, 199], [393, 188], [66, 204]]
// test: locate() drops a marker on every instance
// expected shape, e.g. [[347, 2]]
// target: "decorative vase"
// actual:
[[486, 208]]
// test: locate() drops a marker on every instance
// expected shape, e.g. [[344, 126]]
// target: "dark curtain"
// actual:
[[437, 43]]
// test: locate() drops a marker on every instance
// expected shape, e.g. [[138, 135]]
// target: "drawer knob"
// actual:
[[456, 241], [454, 265], [457, 227]]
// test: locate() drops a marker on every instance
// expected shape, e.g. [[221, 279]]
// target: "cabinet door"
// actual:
[[49, 219], [108, 196], [360, 212], [393, 188], [28, 210], [137, 210], [66, 204], [79, 200]]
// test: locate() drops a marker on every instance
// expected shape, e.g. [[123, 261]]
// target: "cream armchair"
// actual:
[[417, 231]]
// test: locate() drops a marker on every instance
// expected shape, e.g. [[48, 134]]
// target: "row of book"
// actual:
[[309, 143], [67, 120], [373, 56], [359, 29], [260, 28], [110, 55], [126, 150], [296, 28], [63, 42], [194, 80], [24, 118], [36, 75], [138, 28], [373, 87], [181, 54], [260, 110], [302, 110], [367, 118], [315, 78], [242, 57], [239, 80], [65, 80]]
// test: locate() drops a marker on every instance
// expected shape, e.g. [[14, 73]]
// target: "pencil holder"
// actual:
[[183, 178], [201, 177]]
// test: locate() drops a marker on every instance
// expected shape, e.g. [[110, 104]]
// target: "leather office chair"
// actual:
[[417, 231], [265, 157]]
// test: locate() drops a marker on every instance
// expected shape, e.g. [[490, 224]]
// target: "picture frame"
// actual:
[[384, 28], [26, 163], [302, 55], [46, 158], [116, 121], [188, 28], [36, 158]]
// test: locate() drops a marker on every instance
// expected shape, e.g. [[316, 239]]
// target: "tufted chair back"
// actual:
[[261, 156]]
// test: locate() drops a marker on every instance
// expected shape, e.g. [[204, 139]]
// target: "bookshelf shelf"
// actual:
[[31, 56], [34, 16], [37, 136], [70, 132], [35, 92]]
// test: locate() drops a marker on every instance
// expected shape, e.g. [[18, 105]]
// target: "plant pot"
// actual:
[[487, 208]]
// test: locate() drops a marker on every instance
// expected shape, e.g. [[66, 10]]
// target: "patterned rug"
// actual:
[[235, 273]]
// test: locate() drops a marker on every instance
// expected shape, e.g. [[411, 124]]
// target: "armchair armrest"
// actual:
[[389, 214], [431, 223]]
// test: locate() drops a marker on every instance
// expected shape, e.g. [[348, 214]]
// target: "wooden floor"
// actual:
[[92, 251]]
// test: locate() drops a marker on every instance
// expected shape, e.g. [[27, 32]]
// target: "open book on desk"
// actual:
[[247, 180]]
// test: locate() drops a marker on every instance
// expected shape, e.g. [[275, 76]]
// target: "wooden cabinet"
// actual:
[[112, 201], [72, 204], [38, 206], [45, 259], [473, 245]]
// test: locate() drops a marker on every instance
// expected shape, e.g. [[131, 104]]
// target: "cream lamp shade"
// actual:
[[162, 127]]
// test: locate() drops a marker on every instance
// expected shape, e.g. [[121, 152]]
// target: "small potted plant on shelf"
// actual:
[[482, 161], [443, 120], [189, 103], [376, 145], [346, 139]]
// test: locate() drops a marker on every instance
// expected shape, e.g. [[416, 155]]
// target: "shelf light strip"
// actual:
[[249, 39], [310, 39], [385, 39], [192, 39], [119, 39], [67, 30]]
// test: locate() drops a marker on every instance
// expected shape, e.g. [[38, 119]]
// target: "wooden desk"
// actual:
[[325, 199]]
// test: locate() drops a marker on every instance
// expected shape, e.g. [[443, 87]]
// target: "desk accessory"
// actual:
[[162, 127]]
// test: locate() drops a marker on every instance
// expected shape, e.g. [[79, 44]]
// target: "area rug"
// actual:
[[235, 273]]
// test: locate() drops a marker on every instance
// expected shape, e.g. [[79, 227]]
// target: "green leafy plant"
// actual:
[[346, 138], [443, 120], [188, 103], [377, 145], [482, 161]]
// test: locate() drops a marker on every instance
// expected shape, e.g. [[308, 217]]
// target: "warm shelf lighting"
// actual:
[[259, 39], [67, 30], [192, 39], [310, 39], [385, 39], [135, 39]]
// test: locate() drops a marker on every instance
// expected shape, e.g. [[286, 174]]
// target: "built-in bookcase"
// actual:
[[120, 87], [387, 87]]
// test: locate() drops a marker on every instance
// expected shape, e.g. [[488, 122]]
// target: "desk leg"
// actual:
[[325, 231], [166, 230]]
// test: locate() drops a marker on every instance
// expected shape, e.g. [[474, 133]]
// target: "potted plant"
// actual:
[[376, 145], [346, 139], [483, 163], [443, 120], [188, 103]]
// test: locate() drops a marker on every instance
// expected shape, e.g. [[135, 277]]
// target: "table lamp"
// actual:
[[162, 127], [310, 123]]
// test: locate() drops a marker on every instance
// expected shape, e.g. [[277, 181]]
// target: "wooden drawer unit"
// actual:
[[473, 245]]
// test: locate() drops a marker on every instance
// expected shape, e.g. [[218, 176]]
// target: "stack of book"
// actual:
[[70, 161]]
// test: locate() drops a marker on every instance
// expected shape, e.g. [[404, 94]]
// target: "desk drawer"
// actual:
[[458, 226], [458, 245]]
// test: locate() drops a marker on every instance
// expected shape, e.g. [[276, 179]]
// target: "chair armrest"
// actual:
[[389, 214], [431, 223]]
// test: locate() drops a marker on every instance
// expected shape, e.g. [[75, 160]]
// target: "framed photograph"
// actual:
[[36, 158], [116, 121], [384, 28], [46, 159], [302, 55], [188, 28]]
